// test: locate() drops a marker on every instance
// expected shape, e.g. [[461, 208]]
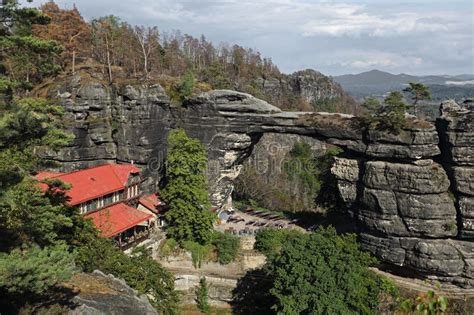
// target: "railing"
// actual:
[[134, 240]]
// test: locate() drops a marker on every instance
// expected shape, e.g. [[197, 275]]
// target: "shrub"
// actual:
[[170, 246], [139, 270], [227, 247], [429, 304], [202, 296], [199, 253]]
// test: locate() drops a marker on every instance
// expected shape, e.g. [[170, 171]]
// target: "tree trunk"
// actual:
[[145, 60], [73, 61], [108, 57]]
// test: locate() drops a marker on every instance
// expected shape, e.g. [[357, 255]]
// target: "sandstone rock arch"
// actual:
[[412, 192]]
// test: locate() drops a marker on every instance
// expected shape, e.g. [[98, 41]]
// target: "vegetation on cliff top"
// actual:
[[119, 50], [391, 114]]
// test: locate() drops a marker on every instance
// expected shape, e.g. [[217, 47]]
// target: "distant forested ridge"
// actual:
[[379, 83]]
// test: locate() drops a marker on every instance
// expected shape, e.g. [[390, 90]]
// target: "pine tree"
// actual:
[[24, 58], [189, 218], [35, 270], [186, 86], [418, 92]]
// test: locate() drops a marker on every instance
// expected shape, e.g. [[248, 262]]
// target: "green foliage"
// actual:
[[227, 246], [389, 116], [26, 126], [202, 299], [186, 86], [139, 270], [169, 247], [305, 184], [32, 121], [199, 252], [372, 105], [24, 59], [28, 216], [418, 92], [301, 165], [322, 273], [189, 218], [427, 304], [269, 241], [43, 239], [387, 286], [216, 76], [35, 270]]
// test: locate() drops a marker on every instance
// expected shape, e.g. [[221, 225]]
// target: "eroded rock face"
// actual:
[[114, 124], [105, 294], [397, 186], [456, 127], [414, 212]]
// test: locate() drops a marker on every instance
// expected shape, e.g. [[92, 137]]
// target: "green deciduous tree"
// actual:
[[189, 218], [322, 273]]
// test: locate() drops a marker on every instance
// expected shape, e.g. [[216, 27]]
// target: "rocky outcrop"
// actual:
[[104, 294], [456, 127], [415, 209], [113, 123], [411, 192], [308, 89]]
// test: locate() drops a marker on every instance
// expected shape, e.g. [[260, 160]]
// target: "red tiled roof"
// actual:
[[117, 218], [150, 202], [93, 182]]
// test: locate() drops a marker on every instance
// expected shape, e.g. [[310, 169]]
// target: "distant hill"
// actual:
[[379, 83]]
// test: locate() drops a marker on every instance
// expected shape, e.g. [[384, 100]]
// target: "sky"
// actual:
[[417, 37]]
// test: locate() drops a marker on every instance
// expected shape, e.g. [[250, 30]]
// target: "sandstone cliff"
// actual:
[[411, 192]]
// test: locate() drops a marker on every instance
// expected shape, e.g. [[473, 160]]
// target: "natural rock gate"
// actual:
[[412, 192]]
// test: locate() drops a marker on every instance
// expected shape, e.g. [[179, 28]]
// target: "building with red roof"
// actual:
[[153, 205], [109, 194], [118, 218]]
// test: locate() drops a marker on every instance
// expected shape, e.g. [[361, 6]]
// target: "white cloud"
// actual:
[[357, 22], [363, 60], [330, 35]]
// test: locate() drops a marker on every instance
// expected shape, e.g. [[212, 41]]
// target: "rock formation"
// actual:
[[309, 86], [412, 192], [106, 294]]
